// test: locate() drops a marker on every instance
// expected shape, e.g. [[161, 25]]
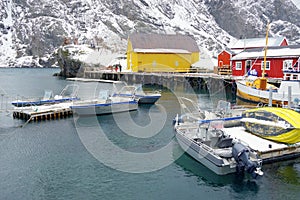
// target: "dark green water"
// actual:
[[123, 156]]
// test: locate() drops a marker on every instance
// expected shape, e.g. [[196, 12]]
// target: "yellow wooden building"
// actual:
[[161, 53]]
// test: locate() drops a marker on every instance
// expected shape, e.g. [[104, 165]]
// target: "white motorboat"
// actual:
[[200, 134], [106, 104], [145, 97], [231, 115], [69, 93], [209, 145]]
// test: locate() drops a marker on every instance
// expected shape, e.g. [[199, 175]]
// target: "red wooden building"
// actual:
[[251, 61], [224, 57]]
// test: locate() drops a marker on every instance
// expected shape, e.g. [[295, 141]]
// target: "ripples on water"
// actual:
[[48, 160]]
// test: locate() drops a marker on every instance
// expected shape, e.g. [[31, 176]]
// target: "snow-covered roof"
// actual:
[[161, 51], [231, 51], [274, 52], [163, 42], [257, 42]]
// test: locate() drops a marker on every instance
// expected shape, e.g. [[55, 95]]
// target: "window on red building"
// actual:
[[268, 66], [238, 65]]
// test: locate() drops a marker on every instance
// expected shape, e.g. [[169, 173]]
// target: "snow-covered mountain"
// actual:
[[30, 30]]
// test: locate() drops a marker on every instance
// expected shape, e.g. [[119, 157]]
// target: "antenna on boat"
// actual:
[[261, 83], [266, 48]]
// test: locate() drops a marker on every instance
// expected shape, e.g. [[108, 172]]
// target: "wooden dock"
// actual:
[[43, 113], [150, 77], [197, 80], [268, 150]]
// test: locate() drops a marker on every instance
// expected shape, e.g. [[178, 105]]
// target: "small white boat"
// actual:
[[69, 93], [231, 115], [145, 97], [208, 144], [106, 104]]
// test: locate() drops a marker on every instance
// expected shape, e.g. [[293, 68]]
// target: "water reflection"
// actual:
[[287, 172]]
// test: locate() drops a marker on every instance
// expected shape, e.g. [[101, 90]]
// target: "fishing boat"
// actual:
[[106, 104], [69, 93], [273, 123], [145, 97], [258, 90], [208, 144]]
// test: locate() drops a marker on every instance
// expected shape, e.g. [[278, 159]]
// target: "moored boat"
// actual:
[[273, 123], [258, 90], [106, 104], [231, 115], [209, 145], [69, 93], [145, 97], [251, 91]]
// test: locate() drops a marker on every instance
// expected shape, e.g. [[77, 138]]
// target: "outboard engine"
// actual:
[[241, 155]]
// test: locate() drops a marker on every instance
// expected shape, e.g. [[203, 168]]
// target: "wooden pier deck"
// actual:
[[42, 113], [268, 150], [156, 77]]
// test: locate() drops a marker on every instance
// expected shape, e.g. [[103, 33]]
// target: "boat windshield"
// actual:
[[48, 95]]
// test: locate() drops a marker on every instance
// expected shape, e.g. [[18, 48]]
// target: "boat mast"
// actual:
[[266, 48]]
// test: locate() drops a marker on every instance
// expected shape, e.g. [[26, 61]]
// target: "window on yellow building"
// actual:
[[154, 63]]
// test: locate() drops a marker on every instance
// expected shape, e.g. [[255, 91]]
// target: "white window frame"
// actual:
[[287, 65], [268, 65], [238, 64]]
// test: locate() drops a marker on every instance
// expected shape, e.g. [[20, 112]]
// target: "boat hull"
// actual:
[[105, 108], [254, 95], [202, 154], [279, 97], [148, 99], [42, 102]]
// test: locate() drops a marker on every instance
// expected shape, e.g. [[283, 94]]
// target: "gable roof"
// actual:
[[272, 52], [142, 42], [229, 51], [258, 42]]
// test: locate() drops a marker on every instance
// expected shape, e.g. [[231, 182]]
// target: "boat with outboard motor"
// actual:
[[106, 104], [273, 123], [200, 134], [69, 93], [208, 144]]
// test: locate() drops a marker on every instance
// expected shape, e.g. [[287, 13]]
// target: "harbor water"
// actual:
[[121, 156]]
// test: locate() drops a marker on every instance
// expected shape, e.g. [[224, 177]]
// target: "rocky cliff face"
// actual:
[[33, 30]]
